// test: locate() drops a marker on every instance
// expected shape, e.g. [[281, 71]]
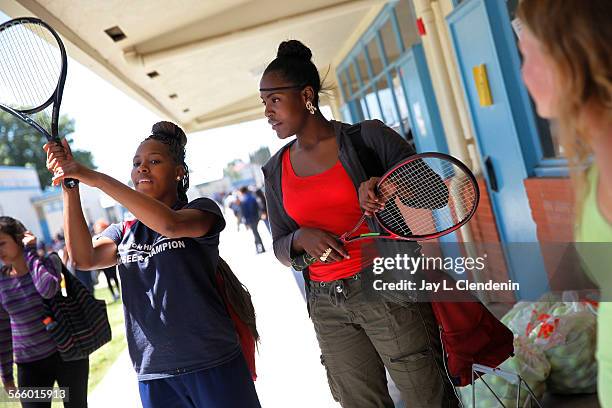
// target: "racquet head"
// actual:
[[33, 66], [32, 73], [427, 196]]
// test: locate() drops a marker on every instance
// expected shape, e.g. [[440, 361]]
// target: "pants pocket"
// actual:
[[312, 301], [332, 384], [411, 362]]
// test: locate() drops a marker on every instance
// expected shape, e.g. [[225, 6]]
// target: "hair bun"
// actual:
[[170, 130], [294, 49]]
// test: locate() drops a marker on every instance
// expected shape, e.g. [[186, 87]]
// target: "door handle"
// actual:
[[491, 172]]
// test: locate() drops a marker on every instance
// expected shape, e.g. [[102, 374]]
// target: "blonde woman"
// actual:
[[567, 50]]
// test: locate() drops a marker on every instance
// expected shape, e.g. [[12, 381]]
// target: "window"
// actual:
[[387, 102], [369, 76], [401, 99], [389, 39], [363, 67], [375, 57], [344, 84], [373, 105], [353, 78], [406, 18]]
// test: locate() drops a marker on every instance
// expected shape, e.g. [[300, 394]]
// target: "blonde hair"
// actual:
[[577, 36]]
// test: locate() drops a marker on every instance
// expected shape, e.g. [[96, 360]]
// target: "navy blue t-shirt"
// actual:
[[175, 320]]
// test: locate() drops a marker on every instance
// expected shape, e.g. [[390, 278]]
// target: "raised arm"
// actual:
[[45, 272], [154, 214], [83, 252]]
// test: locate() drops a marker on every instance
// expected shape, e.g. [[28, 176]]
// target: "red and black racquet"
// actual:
[[33, 67], [425, 197]]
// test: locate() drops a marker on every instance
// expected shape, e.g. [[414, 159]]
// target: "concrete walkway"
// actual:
[[290, 374]]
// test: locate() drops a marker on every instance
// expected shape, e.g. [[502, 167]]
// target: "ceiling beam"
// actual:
[[154, 58]]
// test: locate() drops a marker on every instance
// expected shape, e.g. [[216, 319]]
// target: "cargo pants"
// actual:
[[359, 336]]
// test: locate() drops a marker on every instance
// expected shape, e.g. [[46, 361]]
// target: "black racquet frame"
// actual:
[[55, 98]]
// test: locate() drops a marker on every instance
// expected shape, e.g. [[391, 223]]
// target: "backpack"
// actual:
[[238, 302]]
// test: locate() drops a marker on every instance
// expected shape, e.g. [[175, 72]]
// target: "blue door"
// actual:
[[422, 107], [424, 116], [482, 36]]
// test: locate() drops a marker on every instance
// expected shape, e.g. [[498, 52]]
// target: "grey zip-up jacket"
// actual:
[[390, 148]]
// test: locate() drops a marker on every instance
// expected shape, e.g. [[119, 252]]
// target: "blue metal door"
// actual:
[[422, 107], [482, 37], [424, 116]]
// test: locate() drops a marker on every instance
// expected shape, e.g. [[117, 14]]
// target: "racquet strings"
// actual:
[[30, 69], [426, 196]]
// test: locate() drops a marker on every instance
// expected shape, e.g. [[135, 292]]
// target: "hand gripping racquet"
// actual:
[[425, 197]]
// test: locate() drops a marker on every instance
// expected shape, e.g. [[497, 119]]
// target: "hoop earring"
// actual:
[[311, 107]]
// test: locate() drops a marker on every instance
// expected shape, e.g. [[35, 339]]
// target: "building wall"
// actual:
[[484, 231], [552, 207], [92, 207], [54, 215], [50, 205], [18, 186]]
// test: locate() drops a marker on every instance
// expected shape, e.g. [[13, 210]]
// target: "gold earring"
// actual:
[[311, 107]]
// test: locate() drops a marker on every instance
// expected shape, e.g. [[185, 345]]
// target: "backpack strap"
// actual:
[[367, 156]]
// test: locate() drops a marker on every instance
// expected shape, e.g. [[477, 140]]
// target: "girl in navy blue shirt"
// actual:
[[181, 340]]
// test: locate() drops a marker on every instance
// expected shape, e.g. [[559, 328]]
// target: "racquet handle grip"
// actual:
[[69, 182]]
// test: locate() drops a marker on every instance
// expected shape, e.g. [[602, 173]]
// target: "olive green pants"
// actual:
[[359, 337]]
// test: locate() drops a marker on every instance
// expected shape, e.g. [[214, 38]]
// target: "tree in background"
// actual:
[[260, 156], [20, 145], [232, 170]]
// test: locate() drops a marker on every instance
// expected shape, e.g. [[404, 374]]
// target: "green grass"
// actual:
[[102, 359]]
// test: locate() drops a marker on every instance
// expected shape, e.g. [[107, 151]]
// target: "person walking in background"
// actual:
[[234, 205], [25, 280], [111, 272], [41, 248], [263, 208], [182, 341], [249, 208], [567, 68], [359, 337]]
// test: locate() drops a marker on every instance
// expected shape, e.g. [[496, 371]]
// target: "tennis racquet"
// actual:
[[425, 197], [33, 68]]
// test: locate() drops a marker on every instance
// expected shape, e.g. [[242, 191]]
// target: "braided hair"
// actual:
[[173, 136]]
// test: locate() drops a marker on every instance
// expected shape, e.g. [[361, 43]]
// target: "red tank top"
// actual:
[[327, 201]]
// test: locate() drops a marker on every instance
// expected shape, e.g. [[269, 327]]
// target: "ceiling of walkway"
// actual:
[[197, 62]]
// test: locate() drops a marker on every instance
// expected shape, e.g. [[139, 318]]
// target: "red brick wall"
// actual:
[[484, 231], [552, 207], [551, 203], [483, 225]]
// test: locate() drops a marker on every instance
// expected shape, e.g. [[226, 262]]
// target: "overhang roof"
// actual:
[[208, 54]]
